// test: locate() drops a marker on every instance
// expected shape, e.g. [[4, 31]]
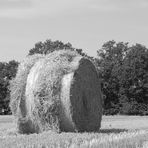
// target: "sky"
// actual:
[[86, 24]]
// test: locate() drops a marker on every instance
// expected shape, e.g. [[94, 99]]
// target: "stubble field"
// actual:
[[116, 132]]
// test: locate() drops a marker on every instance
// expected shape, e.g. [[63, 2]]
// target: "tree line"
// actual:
[[123, 70]]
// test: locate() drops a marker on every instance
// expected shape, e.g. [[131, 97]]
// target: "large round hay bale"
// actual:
[[61, 93]]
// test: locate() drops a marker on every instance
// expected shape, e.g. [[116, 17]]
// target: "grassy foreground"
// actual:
[[116, 132]]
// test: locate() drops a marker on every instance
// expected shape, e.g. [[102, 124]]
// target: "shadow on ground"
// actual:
[[114, 131]]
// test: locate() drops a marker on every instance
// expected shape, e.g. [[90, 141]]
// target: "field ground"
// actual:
[[125, 122], [116, 132]]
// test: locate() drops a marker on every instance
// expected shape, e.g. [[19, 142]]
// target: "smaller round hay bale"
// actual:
[[62, 93]]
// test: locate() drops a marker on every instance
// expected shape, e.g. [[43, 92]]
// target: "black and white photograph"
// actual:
[[73, 73]]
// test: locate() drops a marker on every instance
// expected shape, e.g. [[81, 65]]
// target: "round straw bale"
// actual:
[[62, 93]]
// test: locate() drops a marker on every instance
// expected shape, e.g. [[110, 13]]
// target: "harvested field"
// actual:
[[119, 134]]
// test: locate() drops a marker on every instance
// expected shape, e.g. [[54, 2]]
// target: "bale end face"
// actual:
[[82, 99]]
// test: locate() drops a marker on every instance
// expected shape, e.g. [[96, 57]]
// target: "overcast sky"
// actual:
[[86, 24]]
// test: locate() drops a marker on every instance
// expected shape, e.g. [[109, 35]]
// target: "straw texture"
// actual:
[[60, 92]]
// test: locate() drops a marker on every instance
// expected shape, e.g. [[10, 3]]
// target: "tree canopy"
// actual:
[[7, 72], [49, 46], [124, 72]]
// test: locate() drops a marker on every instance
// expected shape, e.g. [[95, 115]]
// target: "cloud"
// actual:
[[37, 8], [12, 4], [118, 5], [52, 8]]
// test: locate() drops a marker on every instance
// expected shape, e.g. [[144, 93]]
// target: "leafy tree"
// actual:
[[7, 72], [134, 79], [49, 46], [124, 72], [111, 58]]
